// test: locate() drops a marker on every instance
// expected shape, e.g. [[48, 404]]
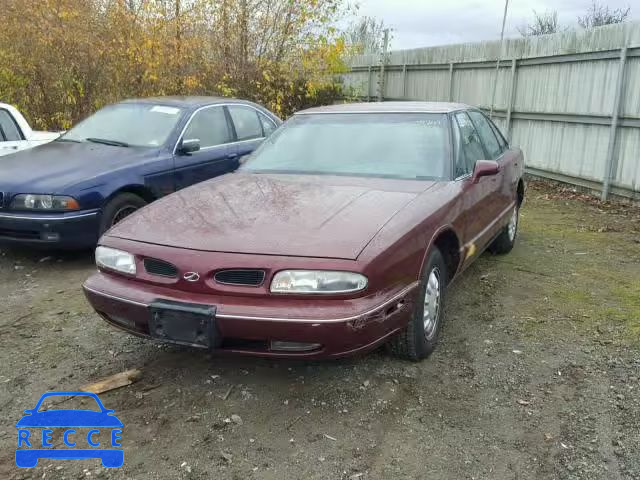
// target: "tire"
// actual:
[[418, 339], [119, 207], [507, 239]]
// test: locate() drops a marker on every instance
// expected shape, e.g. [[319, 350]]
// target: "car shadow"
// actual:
[[191, 369]]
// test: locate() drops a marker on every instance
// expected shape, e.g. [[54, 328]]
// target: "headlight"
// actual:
[[304, 281], [32, 201], [117, 260]]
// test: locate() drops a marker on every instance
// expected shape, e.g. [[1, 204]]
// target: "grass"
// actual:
[[581, 262]]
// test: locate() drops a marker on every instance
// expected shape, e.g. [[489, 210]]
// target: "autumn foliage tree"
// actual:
[[60, 60]]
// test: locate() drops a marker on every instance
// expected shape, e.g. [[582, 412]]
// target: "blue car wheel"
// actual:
[[26, 459], [112, 459]]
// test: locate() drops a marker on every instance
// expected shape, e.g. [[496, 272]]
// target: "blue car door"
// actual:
[[250, 128], [216, 156]]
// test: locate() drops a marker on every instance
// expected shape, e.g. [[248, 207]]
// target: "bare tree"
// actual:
[[366, 35], [543, 24], [599, 15]]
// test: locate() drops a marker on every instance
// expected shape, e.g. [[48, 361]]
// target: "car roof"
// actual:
[[186, 101], [389, 107]]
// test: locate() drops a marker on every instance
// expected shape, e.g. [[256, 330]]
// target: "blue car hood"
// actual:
[[69, 418], [52, 167]]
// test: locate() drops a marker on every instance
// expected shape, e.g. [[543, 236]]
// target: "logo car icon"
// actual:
[[191, 276], [27, 457]]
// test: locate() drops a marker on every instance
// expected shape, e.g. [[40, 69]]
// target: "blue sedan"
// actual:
[[67, 193]]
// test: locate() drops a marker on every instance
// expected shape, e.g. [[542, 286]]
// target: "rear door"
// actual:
[[250, 127], [512, 166], [217, 155], [11, 138]]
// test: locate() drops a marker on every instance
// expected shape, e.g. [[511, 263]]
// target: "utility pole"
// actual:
[[495, 83], [383, 62]]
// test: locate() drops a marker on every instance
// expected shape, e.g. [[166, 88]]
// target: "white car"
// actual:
[[16, 134]]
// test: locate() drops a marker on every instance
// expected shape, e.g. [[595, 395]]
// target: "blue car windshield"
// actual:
[[127, 124], [81, 402], [388, 145]]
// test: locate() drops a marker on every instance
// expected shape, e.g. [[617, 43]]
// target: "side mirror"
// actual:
[[485, 168], [189, 146]]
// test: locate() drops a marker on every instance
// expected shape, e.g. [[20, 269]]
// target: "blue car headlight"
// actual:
[[34, 201]]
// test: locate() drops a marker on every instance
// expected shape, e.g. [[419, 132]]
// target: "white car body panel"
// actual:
[[30, 138]]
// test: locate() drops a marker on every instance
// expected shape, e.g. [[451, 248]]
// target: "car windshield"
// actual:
[[58, 402], [127, 124], [389, 145]]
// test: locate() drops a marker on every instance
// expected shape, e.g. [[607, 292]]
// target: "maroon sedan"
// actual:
[[340, 233]]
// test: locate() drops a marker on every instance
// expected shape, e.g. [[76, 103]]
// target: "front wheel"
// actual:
[[118, 208], [507, 239], [419, 338]]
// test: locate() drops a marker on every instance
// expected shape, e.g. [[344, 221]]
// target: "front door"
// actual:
[[495, 149], [217, 154], [481, 207]]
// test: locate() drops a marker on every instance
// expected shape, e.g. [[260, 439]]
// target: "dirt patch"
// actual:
[[536, 376]]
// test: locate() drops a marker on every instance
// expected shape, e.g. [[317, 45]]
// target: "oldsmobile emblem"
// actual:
[[191, 276]]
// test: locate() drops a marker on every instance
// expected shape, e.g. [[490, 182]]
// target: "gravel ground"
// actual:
[[536, 375]]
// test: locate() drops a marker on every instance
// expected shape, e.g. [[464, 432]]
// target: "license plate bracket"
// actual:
[[182, 323]]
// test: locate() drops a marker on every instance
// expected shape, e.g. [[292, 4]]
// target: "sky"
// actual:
[[423, 23]]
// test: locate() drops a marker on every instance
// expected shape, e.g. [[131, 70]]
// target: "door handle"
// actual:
[[232, 156]]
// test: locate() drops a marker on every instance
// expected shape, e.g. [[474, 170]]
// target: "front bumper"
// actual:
[[249, 329], [61, 230]]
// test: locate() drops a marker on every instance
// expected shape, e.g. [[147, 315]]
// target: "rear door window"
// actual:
[[501, 140], [246, 122]]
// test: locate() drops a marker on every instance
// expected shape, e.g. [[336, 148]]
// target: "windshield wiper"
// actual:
[[104, 141], [62, 139]]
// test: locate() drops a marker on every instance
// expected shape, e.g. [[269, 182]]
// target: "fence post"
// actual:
[[404, 81], [512, 96], [369, 85], [615, 114], [451, 82], [383, 62]]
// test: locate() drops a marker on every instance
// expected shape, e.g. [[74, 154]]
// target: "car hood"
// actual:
[[51, 167], [292, 215], [69, 418], [41, 136]]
